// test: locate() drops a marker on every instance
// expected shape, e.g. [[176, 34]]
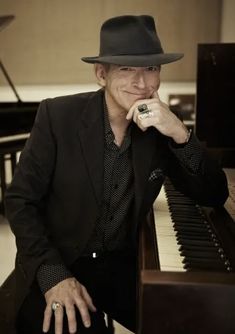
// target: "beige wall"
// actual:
[[228, 21], [45, 42]]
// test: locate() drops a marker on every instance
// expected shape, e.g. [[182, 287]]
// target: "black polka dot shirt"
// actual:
[[113, 226]]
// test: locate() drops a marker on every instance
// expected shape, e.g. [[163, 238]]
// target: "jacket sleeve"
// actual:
[[197, 174], [26, 196]]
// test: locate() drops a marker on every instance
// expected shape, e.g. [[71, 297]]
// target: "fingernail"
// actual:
[[87, 324]]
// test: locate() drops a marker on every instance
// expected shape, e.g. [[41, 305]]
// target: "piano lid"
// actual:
[[4, 21], [16, 118]]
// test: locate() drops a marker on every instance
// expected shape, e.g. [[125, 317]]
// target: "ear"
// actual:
[[100, 74]]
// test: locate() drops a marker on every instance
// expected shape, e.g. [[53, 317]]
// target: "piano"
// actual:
[[16, 121], [187, 252], [186, 268]]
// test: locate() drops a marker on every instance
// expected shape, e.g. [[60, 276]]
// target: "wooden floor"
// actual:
[[7, 257]]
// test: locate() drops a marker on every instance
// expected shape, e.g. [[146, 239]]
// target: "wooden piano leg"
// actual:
[[110, 325], [13, 162], [3, 182]]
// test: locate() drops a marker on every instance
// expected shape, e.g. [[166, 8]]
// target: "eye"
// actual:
[[153, 68], [126, 68]]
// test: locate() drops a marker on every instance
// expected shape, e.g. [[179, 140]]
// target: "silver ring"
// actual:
[[143, 108], [147, 114], [55, 306]]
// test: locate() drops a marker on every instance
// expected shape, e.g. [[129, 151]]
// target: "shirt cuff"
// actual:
[[189, 154], [49, 275]]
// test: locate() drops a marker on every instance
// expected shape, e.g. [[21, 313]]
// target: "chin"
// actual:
[[130, 104]]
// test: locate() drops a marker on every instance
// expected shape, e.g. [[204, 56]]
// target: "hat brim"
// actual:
[[136, 60]]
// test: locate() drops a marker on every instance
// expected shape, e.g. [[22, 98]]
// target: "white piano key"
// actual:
[[168, 249]]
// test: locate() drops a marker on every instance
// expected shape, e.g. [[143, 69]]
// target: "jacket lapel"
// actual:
[[91, 135], [143, 149]]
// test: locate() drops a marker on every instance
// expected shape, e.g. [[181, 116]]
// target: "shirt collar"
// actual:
[[109, 135]]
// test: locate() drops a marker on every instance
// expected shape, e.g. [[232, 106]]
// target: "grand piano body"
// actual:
[[16, 121]]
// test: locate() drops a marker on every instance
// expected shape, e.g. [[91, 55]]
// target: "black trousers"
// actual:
[[111, 282]]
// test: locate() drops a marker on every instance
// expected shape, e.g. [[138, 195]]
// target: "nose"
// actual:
[[140, 80]]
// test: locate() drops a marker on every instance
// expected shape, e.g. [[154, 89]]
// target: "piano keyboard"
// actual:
[[168, 248], [186, 241]]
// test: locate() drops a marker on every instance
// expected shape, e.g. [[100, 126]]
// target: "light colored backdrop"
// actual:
[[45, 42]]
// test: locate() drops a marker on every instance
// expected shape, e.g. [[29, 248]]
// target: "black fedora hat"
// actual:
[[131, 41]]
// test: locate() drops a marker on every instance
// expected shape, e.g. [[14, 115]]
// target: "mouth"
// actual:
[[142, 95], [138, 95]]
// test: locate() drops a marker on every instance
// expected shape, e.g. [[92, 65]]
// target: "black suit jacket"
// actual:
[[55, 196]]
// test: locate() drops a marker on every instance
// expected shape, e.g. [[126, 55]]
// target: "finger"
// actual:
[[71, 315], [140, 122], [142, 128], [135, 115], [47, 319], [84, 312], [155, 95], [146, 123], [59, 316], [88, 299], [134, 107], [133, 112], [130, 112]]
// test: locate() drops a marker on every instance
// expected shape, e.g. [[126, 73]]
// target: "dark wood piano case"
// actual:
[[182, 302]]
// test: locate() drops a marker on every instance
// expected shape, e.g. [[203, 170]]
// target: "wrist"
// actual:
[[188, 136], [184, 138]]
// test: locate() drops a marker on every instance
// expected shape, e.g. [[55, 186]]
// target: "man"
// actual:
[[89, 174]]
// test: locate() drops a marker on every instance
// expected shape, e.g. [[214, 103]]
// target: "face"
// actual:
[[125, 85]]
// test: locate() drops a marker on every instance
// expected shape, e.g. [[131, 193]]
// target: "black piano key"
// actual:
[[210, 260], [193, 224], [200, 248], [199, 233], [197, 229], [184, 210], [201, 254], [193, 237], [203, 267], [205, 264], [190, 224], [182, 219], [181, 236], [197, 243]]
